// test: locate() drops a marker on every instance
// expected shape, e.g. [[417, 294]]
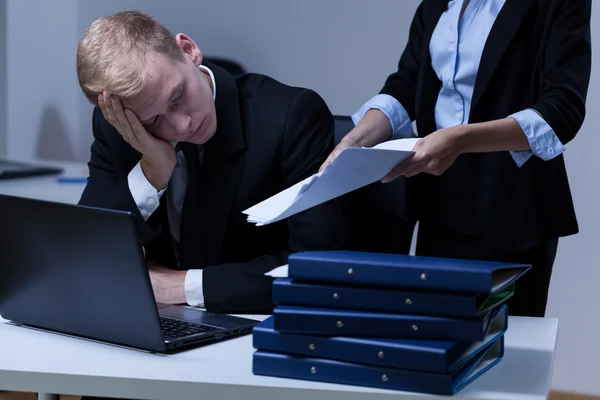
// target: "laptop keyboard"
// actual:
[[173, 328]]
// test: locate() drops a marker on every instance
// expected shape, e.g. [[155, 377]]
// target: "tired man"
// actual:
[[187, 147]]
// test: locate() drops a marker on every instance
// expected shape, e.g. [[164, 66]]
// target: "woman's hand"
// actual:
[[373, 129], [434, 154]]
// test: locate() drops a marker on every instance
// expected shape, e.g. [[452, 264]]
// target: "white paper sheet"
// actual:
[[354, 168], [279, 272]]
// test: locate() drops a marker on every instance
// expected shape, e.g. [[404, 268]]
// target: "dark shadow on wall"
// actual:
[[53, 140]]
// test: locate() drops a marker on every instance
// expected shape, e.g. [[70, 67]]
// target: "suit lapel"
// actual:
[[220, 173], [501, 35]]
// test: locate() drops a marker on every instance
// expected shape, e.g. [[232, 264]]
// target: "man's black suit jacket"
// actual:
[[269, 136], [537, 55]]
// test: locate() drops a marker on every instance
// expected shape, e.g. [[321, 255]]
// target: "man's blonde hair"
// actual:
[[113, 52]]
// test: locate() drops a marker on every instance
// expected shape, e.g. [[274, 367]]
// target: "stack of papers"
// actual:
[[354, 168]]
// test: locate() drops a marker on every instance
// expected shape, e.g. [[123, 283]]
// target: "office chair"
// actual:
[[342, 125], [380, 217]]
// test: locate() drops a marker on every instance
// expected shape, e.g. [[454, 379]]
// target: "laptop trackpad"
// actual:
[[199, 317]]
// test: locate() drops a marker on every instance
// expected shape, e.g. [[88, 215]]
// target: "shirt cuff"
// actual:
[[194, 294], [393, 110], [541, 137], [144, 194]]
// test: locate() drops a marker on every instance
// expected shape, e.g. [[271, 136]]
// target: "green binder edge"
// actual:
[[490, 301]]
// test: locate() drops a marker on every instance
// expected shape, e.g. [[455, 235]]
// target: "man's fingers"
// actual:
[[117, 118], [108, 110], [136, 125], [102, 105], [122, 120], [138, 131]]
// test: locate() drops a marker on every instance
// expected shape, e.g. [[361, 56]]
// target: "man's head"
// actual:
[[132, 56]]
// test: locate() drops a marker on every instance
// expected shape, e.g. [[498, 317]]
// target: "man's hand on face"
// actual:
[[168, 285], [158, 156]]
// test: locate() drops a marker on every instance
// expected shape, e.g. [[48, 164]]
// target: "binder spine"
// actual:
[[331, 323], [291, 292], [285, 366], [449, 280], [358, 351]]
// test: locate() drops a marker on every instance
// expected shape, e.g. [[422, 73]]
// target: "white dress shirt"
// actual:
[[456, 48], [147, 199]]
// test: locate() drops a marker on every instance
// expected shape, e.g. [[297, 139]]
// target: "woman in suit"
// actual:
[[497, 89]]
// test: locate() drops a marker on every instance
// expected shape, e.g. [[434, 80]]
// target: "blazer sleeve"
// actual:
[[402, 84], [309, 140], [243, 287], [567, 68], [107, 186]]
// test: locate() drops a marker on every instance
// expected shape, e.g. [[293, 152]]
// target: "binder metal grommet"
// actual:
[[340, 324], [312, 346], [336, 296]]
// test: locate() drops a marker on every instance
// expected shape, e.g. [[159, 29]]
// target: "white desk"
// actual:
[[37, 361], [47, 187]]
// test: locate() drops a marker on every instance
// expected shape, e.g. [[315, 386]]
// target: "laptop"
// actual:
[[81, 271], [13, 170]]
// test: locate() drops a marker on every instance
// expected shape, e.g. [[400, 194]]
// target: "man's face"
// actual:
[[176, 103]]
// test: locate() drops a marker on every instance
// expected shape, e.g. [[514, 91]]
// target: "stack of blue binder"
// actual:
[[418, 324]]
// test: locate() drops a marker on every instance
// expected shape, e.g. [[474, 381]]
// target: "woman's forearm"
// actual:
[[373, 128], [499, 135]]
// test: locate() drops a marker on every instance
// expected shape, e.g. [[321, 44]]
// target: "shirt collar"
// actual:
[[212, 78]]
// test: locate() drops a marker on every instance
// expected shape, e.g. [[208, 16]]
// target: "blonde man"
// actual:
[[187, 147]]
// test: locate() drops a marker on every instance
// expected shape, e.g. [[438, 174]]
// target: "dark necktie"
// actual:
[[183, 206]]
